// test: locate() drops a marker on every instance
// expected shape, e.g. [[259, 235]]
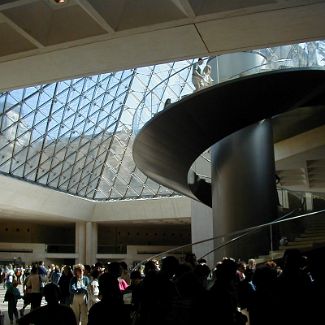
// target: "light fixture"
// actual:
[[57, 3]]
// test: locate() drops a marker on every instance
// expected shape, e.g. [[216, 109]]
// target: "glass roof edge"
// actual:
[[20, 179]]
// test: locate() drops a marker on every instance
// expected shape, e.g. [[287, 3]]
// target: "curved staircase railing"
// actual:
[[301, 229]]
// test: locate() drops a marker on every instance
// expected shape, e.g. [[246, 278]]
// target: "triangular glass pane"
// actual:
[[17, 167], [136, 184], [5, 165], [44, 102], [163, 191], [131, 193], [54, 173], [20, 153], [16, 96], [54, 183], [115, 194], [152, 186], [31, 176]]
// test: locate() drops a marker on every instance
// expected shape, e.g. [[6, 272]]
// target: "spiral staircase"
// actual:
[[180, 182]]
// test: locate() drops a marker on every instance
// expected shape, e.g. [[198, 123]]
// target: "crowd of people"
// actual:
[[169, 292]]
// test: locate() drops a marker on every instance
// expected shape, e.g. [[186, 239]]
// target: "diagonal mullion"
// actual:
[[102, 136], [97, 155], [65, 159], [56, 143], [93, 136], [15, 141], [147, 86], [28, 97], [170, 72], [4, 112], [116, 126], [84, 156], [80, 141], [46, 131], [30, 145], [85, 165], [93, 179]]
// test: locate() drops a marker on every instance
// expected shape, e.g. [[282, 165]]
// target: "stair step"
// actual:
[[276, 254], [313, 236], [310, 238], [297, 245], [317, 230], [316, 226], [272, 256], [301, 243], [260, 260]]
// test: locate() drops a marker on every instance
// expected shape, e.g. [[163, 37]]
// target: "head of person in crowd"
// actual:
[[292, 259], [34, 269], [251, 264], [190, 258], [100, 267], [150, 266], [226, 270], [87, 269], [51, 293], [109, 287], [67, 270], [114, 268], [78, 270], [136, 277], [95, 274], [169, 265], [124, 266], [202, 261]]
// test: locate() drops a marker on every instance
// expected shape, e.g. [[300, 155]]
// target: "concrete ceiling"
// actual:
[[44, 41]]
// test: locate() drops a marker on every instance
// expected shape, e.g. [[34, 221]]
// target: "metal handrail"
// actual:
[[238, 233]]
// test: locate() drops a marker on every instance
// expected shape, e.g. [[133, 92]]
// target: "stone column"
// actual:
[[244, 189], [80, 242], [91, 242]]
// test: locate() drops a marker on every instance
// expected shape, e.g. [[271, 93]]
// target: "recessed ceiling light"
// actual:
[[56, 3]]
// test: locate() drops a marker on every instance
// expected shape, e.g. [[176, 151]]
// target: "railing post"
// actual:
[[271, 242], [309, 201]]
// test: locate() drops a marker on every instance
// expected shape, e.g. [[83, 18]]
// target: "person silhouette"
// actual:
[[167, 102], [207, 79], [197, 77], [51, 314], [111, 308]]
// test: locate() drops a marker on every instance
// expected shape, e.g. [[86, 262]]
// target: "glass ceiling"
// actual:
[[76, 135]]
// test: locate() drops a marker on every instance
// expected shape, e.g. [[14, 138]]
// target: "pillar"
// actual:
[[244, 189], [80, 229], [91, 242]]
